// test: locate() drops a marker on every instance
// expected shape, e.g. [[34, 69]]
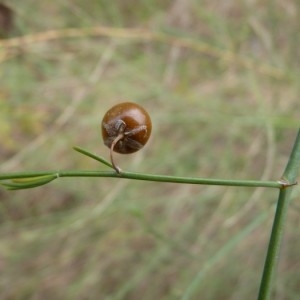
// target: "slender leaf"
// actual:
[[93, 156], [27, 183]]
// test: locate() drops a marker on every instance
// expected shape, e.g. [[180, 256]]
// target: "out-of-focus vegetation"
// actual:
[[224, 105]]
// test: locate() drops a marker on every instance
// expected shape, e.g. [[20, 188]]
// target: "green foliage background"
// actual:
[[213, 115]]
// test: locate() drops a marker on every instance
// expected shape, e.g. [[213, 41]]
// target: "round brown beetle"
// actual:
[[126, 128]]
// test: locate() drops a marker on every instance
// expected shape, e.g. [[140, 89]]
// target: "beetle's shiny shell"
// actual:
[[131, 119]]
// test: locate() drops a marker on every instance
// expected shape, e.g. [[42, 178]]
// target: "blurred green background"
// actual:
[[225, 104]]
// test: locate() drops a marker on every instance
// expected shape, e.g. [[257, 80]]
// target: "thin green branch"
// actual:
[[143, 176], [43, 177], [289, 178], [93, 156]]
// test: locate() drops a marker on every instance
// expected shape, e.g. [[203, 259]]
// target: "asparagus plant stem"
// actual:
[[289, 176], [274, 246], [142, 176]]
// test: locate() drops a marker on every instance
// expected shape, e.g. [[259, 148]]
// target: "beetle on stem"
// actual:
[[126, 128]]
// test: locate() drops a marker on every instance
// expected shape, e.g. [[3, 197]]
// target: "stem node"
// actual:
[[285, 183]]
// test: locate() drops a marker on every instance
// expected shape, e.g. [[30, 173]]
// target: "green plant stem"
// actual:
[[289, 175], [142, 176], [274, 246]]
